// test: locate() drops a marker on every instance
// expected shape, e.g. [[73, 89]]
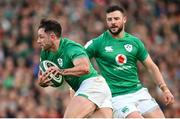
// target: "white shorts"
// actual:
[[96, 90], [140, 101]]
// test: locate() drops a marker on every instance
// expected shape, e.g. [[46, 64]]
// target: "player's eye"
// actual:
[[40, 36], [116, 18], [109, 19]]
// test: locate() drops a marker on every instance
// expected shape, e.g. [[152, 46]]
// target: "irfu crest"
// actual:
[[128, 47], [60, 62]]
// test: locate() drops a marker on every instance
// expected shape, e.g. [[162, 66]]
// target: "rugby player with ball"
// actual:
[[63, 59]]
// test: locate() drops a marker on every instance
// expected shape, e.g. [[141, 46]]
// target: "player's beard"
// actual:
[[116, 32], [48, 46]]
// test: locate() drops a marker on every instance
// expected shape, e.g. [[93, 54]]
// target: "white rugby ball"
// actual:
[[57, 80]]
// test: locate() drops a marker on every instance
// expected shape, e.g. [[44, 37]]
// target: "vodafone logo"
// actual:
[[121, 59]]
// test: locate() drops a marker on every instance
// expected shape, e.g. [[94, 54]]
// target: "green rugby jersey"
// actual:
[[117, 61], [63, 58]]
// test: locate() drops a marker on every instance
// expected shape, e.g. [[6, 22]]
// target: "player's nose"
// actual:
[[113, 21], [38, 41]]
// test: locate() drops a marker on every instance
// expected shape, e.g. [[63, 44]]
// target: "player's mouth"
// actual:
[[41, 45], [114, 28]]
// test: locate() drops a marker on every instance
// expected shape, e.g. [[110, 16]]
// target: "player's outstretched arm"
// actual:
[[81, 67], [154, 70]]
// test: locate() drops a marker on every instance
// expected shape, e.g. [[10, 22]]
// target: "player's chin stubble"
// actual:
[[47, 46], [117, 32]]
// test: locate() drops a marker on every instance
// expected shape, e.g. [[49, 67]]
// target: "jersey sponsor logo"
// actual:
[[123, 68], [121, 59], [108, 49], [128, 47], [60, 62]]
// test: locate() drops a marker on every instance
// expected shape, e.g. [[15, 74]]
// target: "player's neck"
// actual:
[[120, 35], [55, 46]]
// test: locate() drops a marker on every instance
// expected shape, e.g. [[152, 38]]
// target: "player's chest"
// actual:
[[114, 50], [63, 61]]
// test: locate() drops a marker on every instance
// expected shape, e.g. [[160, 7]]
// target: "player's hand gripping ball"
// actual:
[[57, 79]]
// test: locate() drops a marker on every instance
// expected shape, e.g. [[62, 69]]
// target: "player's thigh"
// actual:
[[155, 113], [96, 90], [104, 110], [134, 115], [125, 105], [79, 107], [149, 108], [102, 113], [126, 110]]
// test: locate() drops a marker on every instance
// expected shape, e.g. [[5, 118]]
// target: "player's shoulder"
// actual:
[[70, 43], [95, 41], [67, 41], [100, 38], [133, 38]]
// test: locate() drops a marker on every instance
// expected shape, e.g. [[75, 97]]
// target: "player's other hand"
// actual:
[[44, 79], [168, 97]]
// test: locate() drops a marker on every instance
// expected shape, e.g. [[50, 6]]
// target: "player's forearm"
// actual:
[[158, 78], [71, 92], [76, 71]]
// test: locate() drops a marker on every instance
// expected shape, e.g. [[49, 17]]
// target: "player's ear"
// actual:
[[124, 19], [52, 36]]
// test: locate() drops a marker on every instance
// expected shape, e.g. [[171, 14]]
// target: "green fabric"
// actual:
[[9, 82], [63, 58], [83, 95], [117, 61]]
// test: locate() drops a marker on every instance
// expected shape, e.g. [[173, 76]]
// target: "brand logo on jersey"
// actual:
[[108, 48], [121, 59], [125, 109], [60, 62], [128, 47]]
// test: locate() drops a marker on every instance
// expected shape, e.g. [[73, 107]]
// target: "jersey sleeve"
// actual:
[[76, 52], [142, 51], [90, 49]]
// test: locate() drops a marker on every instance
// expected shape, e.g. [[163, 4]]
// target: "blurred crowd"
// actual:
[[155, 22]]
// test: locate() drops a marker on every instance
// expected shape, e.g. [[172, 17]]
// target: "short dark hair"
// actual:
[[115, 8], [51, 26]]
